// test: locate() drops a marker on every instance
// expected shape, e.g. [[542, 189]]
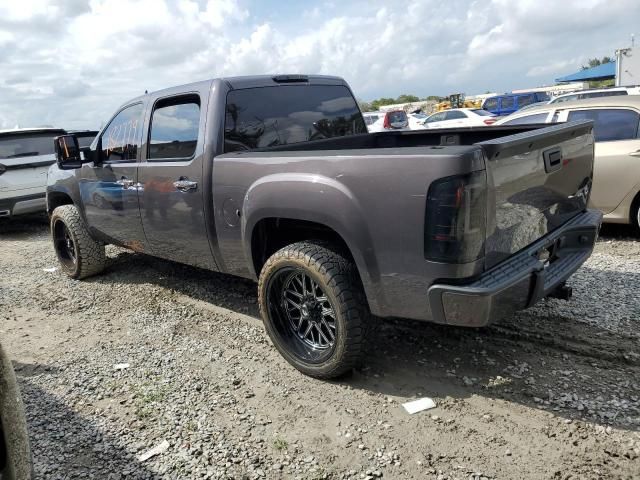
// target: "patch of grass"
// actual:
[[146, 396], [192, 425], [280, 444]]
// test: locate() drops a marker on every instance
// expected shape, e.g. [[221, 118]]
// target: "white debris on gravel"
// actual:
[[419, 405], [157, 450]]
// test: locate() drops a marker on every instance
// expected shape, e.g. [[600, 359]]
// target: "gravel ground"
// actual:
[[553, 392]]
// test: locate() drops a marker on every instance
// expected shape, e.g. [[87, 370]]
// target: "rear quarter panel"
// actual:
[[375, 200]]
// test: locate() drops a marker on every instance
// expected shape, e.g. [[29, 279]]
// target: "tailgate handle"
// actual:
[[552, 159]]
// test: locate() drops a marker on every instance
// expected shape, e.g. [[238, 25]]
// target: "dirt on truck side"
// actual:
[[153, 353]]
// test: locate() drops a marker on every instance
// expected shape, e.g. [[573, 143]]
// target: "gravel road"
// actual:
[[153, 353]]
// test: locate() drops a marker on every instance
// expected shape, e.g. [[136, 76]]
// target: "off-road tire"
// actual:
[[89, 253], [338, 278]]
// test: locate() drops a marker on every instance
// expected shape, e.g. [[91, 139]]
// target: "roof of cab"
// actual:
[[250, 81]]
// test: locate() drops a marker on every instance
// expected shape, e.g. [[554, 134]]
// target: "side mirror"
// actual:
[[68, 153]]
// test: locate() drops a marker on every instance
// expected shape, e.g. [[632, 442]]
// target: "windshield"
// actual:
[[484, 113], [271, 116], [16, 146]]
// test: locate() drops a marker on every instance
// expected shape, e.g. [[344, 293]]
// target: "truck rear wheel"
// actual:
[[79, 254], [314, 309]]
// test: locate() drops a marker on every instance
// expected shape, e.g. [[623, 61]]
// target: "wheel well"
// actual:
[[57, 199], [271, 234]]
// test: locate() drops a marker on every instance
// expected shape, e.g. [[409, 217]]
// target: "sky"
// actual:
[[71, 63]]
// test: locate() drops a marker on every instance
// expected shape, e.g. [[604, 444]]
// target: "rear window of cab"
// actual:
[[281, 115]]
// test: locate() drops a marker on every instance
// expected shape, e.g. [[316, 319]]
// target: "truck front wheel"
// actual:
[[314, 309], [79, 254]]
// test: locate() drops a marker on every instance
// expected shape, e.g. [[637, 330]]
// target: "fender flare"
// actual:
[[320, 199]]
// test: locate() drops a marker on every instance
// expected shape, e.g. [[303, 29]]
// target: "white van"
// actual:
[[25, 157]]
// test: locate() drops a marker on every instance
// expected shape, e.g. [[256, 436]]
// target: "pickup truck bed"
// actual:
[[274, 179], [388, 175]]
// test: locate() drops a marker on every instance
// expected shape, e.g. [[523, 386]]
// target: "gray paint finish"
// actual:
[[370, 189]]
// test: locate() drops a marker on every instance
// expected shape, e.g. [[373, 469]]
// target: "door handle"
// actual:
[[125, 183], [635, 154], [184, 184]]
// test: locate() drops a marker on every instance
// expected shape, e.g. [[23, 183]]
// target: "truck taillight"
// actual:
[[455, 219]]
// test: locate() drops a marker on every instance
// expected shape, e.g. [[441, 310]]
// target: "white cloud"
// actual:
[[70, 63]]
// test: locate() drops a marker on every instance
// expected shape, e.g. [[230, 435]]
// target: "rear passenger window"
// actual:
[[610, 124], [536, 118], [455, 115], [174, 128], [508, 103]]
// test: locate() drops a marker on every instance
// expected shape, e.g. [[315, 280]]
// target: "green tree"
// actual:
[[405, 98], [594, 62], [376, 104]]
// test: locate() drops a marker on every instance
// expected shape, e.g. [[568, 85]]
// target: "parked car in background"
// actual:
[[25, 156], [15, 455], [85, 137], [386, 121], [596, 93], [276, 179], [508, 103], [460, 117], [416, 121], [616, 178]]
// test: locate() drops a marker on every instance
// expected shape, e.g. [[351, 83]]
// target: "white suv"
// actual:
[[25, 157], [596, 93]]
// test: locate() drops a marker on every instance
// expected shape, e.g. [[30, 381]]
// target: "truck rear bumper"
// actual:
[[521, 280], [23, 204]]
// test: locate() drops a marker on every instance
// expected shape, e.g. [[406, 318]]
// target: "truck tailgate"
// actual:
[[537, 181]]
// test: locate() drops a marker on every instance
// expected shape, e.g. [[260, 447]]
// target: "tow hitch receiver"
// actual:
[[562, 292]]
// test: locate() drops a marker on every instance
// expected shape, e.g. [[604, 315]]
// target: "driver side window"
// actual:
[[122, 138]]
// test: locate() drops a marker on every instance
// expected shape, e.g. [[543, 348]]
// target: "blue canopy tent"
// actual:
[[601, 72]]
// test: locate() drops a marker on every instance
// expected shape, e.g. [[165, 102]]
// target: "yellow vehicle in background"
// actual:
[[457, 100]]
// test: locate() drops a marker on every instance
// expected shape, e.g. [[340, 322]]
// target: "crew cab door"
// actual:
[[616, 167], [172, 189], [109, 186]]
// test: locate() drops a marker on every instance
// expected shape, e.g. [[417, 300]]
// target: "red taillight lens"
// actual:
[[455, 219], [490, 121], [386, 123]]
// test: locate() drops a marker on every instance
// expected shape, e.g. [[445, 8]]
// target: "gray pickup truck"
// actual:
[[274, 178]]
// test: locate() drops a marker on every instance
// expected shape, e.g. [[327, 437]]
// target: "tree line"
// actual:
[[374, 105]]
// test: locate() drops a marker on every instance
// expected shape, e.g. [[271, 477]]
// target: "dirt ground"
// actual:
[[553, 392]]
